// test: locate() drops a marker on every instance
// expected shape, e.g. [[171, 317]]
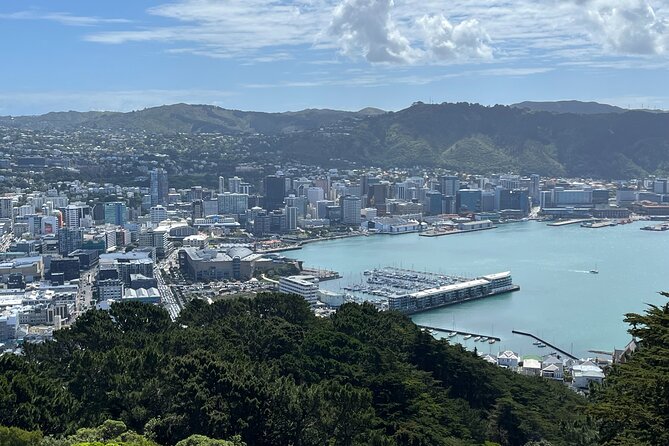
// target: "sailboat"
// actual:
[[453, 333]]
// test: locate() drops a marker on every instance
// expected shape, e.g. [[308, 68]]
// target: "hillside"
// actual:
[[268, 370], [185, 118], [577, 107], [461, 137]]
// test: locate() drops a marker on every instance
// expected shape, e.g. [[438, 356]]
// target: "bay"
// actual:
[[559, 300]]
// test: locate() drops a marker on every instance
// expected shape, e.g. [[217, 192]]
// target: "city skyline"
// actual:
[[343, 54]]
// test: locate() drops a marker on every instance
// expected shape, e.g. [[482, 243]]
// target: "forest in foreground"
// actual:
[[265, 371]]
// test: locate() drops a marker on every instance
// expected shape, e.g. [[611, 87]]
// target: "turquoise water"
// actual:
[[559, 300]]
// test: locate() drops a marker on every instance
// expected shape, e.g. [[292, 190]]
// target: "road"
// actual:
[[168, 299], [85, 294]]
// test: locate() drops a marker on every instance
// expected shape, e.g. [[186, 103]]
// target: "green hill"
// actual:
[[269, 371], [465, 137]]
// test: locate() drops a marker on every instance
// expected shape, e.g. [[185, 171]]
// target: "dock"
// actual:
[[599, 224], [574, 221], [322, 274], [548, 344], [460, 333]]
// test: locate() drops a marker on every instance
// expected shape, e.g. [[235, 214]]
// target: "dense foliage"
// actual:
[[633, 404], [268, 370]]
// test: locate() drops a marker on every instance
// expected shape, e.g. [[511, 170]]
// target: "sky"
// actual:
[[276, 55]]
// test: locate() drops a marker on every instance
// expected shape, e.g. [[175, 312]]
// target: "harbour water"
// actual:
[[559, 300]]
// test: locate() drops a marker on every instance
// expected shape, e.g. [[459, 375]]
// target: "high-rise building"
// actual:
[[158, 213], [6, 207], [232, 203], [70, 239], [234, 184], [275, 191], [315, 194], [291, 218], [449, 184], [221, 184], [159, 186], [74, 213], [535, 188], [197, 209], [350, 210], [468, 200], [115, 213]]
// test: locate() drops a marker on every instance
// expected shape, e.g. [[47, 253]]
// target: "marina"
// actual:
[[411, 291], [559, 296]]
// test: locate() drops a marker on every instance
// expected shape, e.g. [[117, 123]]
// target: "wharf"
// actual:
[[439, 233], [322, 274], [460, 333], [659, 228], [574, 221], [599, 224], [548, 344]]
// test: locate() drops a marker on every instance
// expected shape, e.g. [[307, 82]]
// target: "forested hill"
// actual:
[[462, 137], [268, 370], [186, 118]]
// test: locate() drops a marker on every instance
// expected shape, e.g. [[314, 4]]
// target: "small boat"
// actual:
[[594, 271], [478, 338], [536, 343], [452, 334], [491, 341], [484, 338], [467, 337], [541, 345]]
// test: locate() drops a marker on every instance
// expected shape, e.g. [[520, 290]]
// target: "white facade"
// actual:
[[232, 203], [303, 285], [351, 207], [158, 214]]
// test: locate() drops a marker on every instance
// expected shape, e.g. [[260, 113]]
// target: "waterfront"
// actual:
[[559, 299]]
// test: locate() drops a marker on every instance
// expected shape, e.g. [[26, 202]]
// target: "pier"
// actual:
[[322, 274], [548, 344], [571, 222], [460, 333]]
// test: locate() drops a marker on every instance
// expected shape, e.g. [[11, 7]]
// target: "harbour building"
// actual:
[[452, 293], [302, 285]]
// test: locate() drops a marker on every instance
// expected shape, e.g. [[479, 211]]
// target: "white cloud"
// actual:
[[366, 28], [397, 32], [628, 26], [61, 17], [445, 41]]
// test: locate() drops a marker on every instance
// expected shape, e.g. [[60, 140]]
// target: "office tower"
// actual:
[[468, 200], [6, 207], [315, 194], [197, 209], [291, 218], [350, 210], [275, 191], [535, 188], [70, 239], [232, 203], [115, 213], [159, 187], [74, 213], [221, 185], [449, 184], [234, 184], [158, 214]]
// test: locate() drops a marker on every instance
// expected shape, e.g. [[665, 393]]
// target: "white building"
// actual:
[[586, 373], [508, 359], [351, 207], [232, 203], [158, 213], [303, 285]]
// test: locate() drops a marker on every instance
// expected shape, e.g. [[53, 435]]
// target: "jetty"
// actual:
[[460, 333], [574, 221], [548, 344]]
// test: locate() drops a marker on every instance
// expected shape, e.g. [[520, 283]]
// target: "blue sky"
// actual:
[[274, 55]]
